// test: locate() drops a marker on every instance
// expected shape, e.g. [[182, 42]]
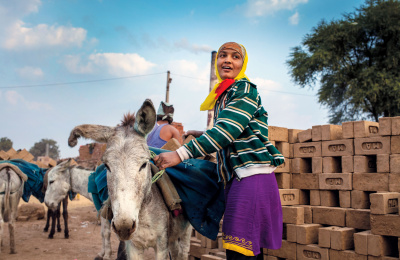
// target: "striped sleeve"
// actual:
[[230, 123]]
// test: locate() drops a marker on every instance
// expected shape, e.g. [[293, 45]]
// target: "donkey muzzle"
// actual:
[[124, 228]]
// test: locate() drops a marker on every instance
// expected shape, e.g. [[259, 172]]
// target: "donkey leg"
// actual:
[[105, 253], [65, 216], [1, 221], [14, 200], [58, 216], [46, 228], [134, 253], [53, 224]]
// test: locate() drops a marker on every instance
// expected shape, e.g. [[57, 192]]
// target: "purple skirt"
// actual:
[[253, 215]]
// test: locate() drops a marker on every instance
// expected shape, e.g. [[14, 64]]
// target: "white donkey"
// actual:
[[11, 188], [139, 212], [64, 178]]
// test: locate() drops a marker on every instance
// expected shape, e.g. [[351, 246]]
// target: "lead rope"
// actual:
[[158, 174]]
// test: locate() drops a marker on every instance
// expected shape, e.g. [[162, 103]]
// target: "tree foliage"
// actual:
[[356, 61], [39, 149], [5, 144]]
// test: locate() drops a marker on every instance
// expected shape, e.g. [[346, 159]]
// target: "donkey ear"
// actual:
[[97, 133], [145, 118]]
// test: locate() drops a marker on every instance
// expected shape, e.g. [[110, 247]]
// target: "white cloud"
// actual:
[[199, 76], [14, 98], [43, 35], [117, 64], [264, 86], [294, 19], [30, 73], [266, 7], [184, 44]]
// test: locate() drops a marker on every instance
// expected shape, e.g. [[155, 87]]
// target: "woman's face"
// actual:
[[229, 63]]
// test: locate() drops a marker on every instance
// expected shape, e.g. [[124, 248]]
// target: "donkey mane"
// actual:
[[128, 120]]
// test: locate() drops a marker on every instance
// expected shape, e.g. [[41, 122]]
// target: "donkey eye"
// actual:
[[143, 166], [51, 182]]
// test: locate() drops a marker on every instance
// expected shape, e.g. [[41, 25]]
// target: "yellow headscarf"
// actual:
[[210, 100]]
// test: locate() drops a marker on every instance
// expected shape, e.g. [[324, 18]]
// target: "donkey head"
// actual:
[[58, 184], [127, 161]]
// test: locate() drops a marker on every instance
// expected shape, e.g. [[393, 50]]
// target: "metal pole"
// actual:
[[213, 81], [168, 82]]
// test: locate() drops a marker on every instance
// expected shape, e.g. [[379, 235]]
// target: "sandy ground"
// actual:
[[84, 241]]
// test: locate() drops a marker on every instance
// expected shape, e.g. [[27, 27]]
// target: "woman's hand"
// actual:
[[168, 159]]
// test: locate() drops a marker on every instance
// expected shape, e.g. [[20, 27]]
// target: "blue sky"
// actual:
[[71, 62]]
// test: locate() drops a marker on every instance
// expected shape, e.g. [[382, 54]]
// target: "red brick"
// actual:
[[197, 250], [324, 236], [307, 213], [315, 198], [361, 242], [347, 164], [385, 225], [307, 150], [291, 233], [345, 255], [345, 198], [284, 180], [385, 126], [344, 147], [289, 196], [365, 129], [358, 218], [210, 257], [333, 216], [301, 165], [316, 163], [335, 181], [305, 181], [332, 132], [372, 145], [279, 134], [360, 199], [364, 164], [283, 147], [293, 215], [371, 181], [395, 144], [394, 163], [304, 136], [316, 133], [342, 238], [288, 250], [305, 252], [307, 233], [385, 203], [348, 129], [394, 182], [396, 125], [382, 163], [293, 135], [284, 167]]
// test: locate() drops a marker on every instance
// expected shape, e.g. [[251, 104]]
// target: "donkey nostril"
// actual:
[[133, 226], [113, 226]]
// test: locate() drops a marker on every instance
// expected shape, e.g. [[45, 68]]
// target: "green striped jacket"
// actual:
[[240, 133]]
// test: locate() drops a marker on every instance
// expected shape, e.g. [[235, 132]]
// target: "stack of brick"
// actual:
[[42, 162], [340, 188], [90, 155]]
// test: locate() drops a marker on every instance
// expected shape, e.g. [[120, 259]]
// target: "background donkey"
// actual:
[[54, 215], [11, 188], [64, 178], [139, 212]]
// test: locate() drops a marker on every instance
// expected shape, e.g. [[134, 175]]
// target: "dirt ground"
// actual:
[[84, 237]]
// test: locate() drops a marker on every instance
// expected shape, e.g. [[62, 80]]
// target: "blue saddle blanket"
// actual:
[[196, 182], [33, 186]]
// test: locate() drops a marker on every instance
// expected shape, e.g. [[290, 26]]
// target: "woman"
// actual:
[[246, 158]]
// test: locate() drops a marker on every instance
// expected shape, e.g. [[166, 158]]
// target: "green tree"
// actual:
[[5, 144], [39, 149], [356, 61]]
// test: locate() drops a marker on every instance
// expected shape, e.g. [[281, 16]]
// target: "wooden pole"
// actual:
[[213, 81], [168, 82]]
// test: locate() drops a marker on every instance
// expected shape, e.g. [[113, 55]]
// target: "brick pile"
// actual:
[[340, 189], [42, 162]]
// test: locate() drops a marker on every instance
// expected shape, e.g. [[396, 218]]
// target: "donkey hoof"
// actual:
[[66, 235], [59, 229], [98, 258], [51, 236], [45, 229], [13, 252]]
